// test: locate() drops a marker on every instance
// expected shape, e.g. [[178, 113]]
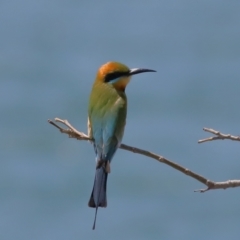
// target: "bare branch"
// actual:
[[73, 133], [221, 185], [219, 136]]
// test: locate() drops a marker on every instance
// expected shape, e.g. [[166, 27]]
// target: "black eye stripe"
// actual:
[[111, 76]]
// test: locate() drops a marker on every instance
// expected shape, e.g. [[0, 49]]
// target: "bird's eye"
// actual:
[[113, 75]]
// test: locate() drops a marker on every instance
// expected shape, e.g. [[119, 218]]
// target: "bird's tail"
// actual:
[[99, 193]]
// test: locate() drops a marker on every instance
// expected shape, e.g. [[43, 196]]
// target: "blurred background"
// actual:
[[50, 52]]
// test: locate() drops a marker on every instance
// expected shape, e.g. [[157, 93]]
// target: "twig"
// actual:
[[73, 133], [221, 185], [219, 136]]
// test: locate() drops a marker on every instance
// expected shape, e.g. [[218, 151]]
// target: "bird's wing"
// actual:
[[107, 129]]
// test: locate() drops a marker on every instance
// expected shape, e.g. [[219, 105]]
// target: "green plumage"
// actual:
[[107, 115]]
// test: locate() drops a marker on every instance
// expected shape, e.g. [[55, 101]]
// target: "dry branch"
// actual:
[[219, 136], [73, 133]]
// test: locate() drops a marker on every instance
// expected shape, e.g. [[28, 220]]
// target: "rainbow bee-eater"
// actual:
[[107, 113]]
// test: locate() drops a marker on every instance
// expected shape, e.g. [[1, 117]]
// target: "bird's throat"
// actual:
[[121, 84]]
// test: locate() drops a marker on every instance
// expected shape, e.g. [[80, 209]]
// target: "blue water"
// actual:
[[50, 52]]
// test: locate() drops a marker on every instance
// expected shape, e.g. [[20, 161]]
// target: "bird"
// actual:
[[107, 112]]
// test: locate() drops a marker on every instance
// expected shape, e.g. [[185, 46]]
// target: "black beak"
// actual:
[[139, 70]]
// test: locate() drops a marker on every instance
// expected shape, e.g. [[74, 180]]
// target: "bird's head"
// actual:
[[118, 74]]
